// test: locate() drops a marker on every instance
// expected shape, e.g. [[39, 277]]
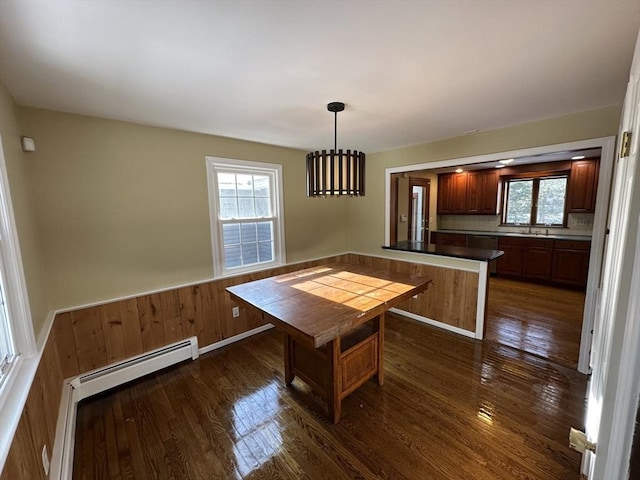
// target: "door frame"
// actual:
[[425, 183], [607, 144]]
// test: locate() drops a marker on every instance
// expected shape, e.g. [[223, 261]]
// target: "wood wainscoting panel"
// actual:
[[451, 297]]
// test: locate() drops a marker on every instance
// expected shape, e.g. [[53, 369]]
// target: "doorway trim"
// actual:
[[607, 144]]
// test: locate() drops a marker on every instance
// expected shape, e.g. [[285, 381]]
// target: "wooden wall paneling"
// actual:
[[49, 378], [151, 321], [89, 338], [23, 461], [66, 345], [122, 329], [212, 331], [131, 330], [112, 331], [172, 321], [191, 312]]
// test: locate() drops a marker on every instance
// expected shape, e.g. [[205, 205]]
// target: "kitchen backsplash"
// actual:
[[577, 224]]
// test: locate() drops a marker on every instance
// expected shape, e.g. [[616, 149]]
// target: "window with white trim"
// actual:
[[17, 340], [247, 226]]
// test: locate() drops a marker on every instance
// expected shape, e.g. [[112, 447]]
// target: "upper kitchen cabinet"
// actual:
[[452, 193], [482, 192], [471, 193], [582, 187]]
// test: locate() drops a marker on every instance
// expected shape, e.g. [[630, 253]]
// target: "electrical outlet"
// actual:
[[235, 311], [45, 460]]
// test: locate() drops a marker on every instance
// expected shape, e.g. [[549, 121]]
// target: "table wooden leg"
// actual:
[[288, 360], [380, 375], [334, 383]]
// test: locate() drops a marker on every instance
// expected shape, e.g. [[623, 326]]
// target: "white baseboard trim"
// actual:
[[64, 443], [434, 323], [235, 338]]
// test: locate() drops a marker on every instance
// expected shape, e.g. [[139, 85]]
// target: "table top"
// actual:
[[318, 304]]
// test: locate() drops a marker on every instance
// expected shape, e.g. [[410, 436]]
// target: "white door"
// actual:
[[615, 358]]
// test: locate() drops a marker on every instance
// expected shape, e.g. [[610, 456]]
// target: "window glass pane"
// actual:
[[244, 185], [263, 207], [248, 232], [265, 231], [232, 256], [245, 207], [551, 198], [261, 186], [228, 207], [249, 253], [230, 234], [227, 184], [265, 251], [519, 201]]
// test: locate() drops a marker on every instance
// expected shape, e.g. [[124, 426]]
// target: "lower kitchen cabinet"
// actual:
[[570, 262], [564, 262], [526, 257], [454, 239]]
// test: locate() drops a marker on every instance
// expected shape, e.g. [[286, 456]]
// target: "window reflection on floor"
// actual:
[[257, 428]]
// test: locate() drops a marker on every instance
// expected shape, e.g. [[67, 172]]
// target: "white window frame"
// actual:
[[15, 387], [216, 164]]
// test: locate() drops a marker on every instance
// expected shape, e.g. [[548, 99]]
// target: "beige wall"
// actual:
[[123, 208], [366, 215], [17, 163]]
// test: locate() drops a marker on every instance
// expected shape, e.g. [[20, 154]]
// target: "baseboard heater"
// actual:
[[102, 379]]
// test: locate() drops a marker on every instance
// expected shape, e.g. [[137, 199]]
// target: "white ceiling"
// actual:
[[264, 70]]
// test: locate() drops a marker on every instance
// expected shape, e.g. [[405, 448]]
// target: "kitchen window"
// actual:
[[535, 201], [247, 226]]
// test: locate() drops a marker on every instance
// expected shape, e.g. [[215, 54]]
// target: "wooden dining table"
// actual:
[[332, 317]]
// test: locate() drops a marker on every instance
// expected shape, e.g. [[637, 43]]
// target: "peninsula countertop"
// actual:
[[479, 254]]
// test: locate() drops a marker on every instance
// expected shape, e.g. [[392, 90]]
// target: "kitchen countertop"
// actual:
[[479, 254], [516, 234]]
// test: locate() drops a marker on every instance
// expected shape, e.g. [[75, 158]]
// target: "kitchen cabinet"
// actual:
[[452, 193], [582, 187], [482, 192], [453, 239], [571, 262], [565, 262], [471, 193], [538, 256]]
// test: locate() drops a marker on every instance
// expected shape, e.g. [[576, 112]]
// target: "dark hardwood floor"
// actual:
[[538, 319], [450, 408]]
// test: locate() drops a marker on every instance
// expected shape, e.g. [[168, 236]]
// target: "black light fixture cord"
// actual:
[[335, 132]]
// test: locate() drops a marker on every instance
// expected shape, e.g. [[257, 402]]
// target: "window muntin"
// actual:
[[247, 227], [535, 201]]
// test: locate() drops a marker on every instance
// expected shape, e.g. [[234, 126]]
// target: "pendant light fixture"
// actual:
[[337, 172]]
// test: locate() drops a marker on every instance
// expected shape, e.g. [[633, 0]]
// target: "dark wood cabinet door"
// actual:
[[537, 263], [455, 239], [489, 195], [571, 263], [582, 188], [459, 196], [512, 260], [475, 191], [445, 193]]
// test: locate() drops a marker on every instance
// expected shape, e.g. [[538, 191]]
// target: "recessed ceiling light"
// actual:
[[578, 157], [459, 170], [506, 162], [500, 166]]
